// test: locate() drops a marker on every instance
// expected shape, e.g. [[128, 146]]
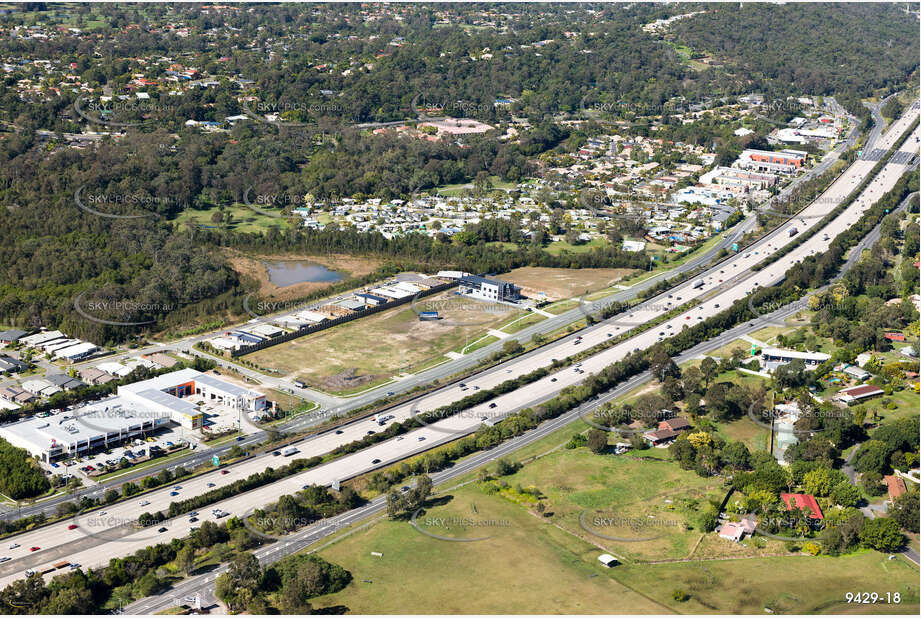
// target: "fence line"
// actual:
[[314, 328]]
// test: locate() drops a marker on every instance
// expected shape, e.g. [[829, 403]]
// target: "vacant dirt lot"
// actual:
[[376, 347], [559, 283]]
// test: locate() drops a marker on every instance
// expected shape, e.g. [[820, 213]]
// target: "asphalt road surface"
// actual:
[[115, 535]]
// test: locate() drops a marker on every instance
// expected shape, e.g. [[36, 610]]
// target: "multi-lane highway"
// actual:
[[111, 534], [334, 405]]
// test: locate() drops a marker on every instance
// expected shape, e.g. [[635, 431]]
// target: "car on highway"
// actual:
[[225, 471], [211, 485], [370, 431], [174, 493], [420, 438], [35, 548], [339, 431], [14, 545], [72, 527], [5, 559], [492, 405], [553, 379], [276, 453], [375, 461], [192, 520], [163, 529]]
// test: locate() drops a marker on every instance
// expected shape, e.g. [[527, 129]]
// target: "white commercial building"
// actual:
[[137, 408], [43, 337], [76, 352], [110, 422], [774, 357]]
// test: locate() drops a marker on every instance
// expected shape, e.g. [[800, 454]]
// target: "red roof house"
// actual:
[[804, 502], [896, 486], [674, 424]]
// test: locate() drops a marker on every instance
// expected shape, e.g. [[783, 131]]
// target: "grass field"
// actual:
[[559, 247], [244, 219], [527, 566], [377, 347], [648, 502], [559, 283], [784, 585]]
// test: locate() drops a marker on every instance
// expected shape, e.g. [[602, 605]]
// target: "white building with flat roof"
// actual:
[[137, 408], [774, 357], [109, 422]]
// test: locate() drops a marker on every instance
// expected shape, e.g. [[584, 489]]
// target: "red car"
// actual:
[[34, 548], [72, 527], [225, 471]]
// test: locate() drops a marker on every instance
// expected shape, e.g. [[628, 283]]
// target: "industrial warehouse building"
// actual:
[[137, 408]]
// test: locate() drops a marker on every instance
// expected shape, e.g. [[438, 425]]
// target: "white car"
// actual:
[[145, 502], [14, 545]]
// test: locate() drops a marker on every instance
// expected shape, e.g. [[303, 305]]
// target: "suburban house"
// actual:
[[661, 437], [675, 424], [896, 486], [855, 394], [736, 530], [11, 336]]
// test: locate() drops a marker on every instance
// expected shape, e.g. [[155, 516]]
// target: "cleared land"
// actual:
[[784, 585], [373, 349], [527, 566], [559, 283]]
